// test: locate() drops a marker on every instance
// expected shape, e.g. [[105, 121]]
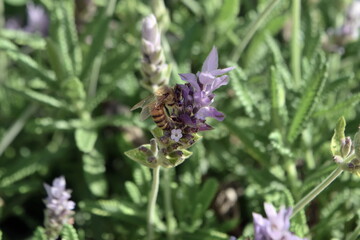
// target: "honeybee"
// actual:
[[158, 106]]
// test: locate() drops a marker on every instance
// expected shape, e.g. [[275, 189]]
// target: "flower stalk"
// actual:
[[152, 202], [321, 187]]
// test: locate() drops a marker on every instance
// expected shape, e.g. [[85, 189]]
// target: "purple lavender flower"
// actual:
[[37, 20], [275, 226], [58, 207], [197, 95], [348, 32]]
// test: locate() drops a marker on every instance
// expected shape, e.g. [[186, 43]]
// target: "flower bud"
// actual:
[[346, 147], [154, 69]]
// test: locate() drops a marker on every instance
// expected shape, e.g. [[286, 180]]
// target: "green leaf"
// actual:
[[64, 34], [238, 82], [24, 38], [141, 157], [25, 61], [69, 233], [133, 191], [277, 99], [248, 140], [100, 33], [94, 171], [39, 234], [173, 160], [308, 101], [55, 59], [204, 198], [116, 209], [227, 14], [1, 235], [85, 139], [339, 135], [39, 97]]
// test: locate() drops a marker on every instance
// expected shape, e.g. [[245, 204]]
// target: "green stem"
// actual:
[[169, 214], [14, 130], [319, 188], [251, 30], [152, 202], [316, 191], [292, 175], [295, 41]]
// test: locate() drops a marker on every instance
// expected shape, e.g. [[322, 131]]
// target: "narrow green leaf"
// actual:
[[277, 99], [279, 61], [61, 35], [205, 197], [339, 135], [39, 97], [141, 157], [94, 172], [25, 61], [133, 192], [340, 107], [308, 101], [248, 141], [100, 33], [55, 59], [85, 139], [238, 79], [122, 210], [1, 235], [228, 13], [24, 38], [69, 233], [39, 234]]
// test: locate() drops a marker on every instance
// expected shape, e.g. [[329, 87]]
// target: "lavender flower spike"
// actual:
[[58, 207], [198, 94], [275, 226], [155, 71]]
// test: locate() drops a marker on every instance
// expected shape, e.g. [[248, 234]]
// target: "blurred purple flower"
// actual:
[[275, 226], [58, 206], [37, 20], [348, 32], [197, 94]]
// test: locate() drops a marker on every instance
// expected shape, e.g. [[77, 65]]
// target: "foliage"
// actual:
[[65, 110]]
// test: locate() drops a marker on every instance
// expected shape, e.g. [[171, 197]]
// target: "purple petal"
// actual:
[[206, 78], [270, 211], [209, 112], [220, 81], [204, 127], [192, 79], [211, 62], [218, 72]]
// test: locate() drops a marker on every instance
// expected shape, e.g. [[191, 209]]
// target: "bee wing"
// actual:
[[143, 102], [145, 113]]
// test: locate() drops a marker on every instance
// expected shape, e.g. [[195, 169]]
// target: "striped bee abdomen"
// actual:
[[159, 116]]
